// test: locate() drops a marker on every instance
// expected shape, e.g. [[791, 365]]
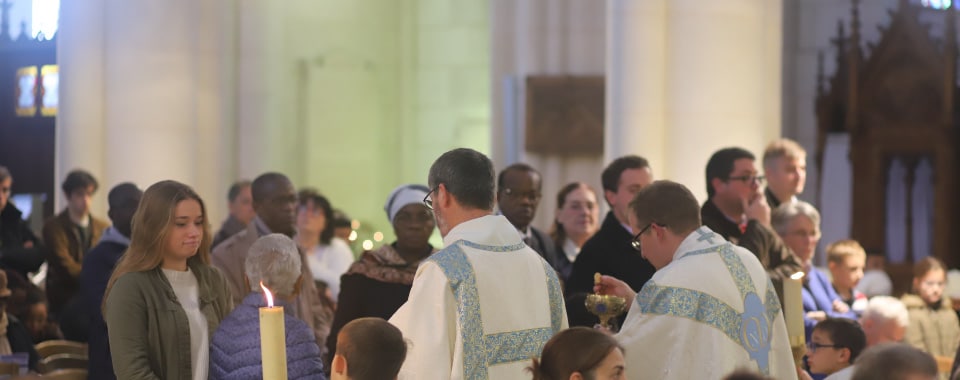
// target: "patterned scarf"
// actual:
[[386, 265]]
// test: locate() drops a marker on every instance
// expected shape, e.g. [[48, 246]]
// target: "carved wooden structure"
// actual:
[[897, 100]]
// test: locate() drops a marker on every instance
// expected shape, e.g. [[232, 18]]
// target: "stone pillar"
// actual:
[[686, 78], [144, 96]]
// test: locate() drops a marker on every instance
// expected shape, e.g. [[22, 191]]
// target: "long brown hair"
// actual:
[[577, 349], [151, 224], [557, 233]]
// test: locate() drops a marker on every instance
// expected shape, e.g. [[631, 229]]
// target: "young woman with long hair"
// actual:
[[164, 300]]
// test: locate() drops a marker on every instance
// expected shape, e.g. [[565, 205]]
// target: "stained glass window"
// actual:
[[49, 89], [936, 4], [26, 91]]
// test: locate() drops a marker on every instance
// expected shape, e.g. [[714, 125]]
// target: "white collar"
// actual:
[[488, 230]]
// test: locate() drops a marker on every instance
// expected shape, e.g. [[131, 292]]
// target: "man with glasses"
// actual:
[[518, 195], [708, 310], [486, 303], [736, 209]]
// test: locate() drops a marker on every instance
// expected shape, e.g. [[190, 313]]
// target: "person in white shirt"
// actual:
[[328, 256], [708, 310], [486, 303]]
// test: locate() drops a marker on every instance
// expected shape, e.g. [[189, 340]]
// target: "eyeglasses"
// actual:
[[636, 238], [531, 195], [427, 201], [747, 179], [813, 347]]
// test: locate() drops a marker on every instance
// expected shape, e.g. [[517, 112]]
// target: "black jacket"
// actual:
[[20, 340], [14, 233], [608, 252]]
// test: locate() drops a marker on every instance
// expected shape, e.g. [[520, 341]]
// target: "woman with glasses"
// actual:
[[380, 281], [933, 323], [798, 224]]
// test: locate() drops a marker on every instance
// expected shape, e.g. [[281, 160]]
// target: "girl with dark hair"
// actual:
[[328, 256], [580, 353]]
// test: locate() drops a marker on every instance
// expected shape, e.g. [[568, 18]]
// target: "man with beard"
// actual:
[[275, 202], [518, 195], [486, 303]]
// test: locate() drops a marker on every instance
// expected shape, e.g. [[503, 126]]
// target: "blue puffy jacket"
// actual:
[[235, 348]]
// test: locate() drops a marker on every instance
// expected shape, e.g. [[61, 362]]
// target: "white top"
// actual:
[[329, 262], [843, 374], [481, 307], [571, 250], [188, 294], [715, 306]]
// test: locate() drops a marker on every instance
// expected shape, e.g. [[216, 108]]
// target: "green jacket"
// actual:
[[148, 329]]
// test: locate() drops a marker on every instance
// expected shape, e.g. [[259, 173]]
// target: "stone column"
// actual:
[[144, 96], [686, 78]]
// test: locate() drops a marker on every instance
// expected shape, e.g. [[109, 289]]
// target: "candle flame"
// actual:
[[267, 294], [797, 276]]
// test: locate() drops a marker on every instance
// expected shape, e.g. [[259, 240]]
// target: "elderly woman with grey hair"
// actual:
[[235, 348], [798, 224]]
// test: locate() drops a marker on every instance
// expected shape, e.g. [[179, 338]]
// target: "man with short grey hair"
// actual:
[[485, 304], [273, 261]]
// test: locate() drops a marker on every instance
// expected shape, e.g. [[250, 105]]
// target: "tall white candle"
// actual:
[[273, 347], [793, 306]]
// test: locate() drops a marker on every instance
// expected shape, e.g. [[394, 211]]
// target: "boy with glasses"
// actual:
[[833, 346]]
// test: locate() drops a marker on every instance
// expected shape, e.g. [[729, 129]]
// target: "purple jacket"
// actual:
[[235, 348], [818, 295]]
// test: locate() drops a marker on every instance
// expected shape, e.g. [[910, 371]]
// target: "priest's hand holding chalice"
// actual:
[[612, 298]]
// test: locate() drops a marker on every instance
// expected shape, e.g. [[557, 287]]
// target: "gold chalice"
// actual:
[[605, 307]]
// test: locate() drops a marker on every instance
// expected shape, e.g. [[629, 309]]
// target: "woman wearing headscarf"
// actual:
[[378, 283]]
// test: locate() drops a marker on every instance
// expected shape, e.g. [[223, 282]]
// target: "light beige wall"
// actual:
[[543, 37], [350, 97]]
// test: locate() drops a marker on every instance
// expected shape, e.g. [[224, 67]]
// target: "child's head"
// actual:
[[368, 349], [929, 279], [834, 344], [580, 353], [846, 259]]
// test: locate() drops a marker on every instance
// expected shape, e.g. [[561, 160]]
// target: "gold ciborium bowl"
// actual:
[[605, 307]]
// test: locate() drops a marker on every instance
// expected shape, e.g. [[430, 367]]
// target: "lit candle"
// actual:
[[793, 308], [273, 347]]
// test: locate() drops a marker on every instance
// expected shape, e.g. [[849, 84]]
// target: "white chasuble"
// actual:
[[481, 308], [712, 310]]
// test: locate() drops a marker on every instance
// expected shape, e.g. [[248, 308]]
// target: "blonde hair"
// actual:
[[782, 148], [150, 226], [840, 250]]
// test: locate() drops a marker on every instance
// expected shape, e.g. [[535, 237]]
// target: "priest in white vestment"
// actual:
[[485, 304], [709, 309]]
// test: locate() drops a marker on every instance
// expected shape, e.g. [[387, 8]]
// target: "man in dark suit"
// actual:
[[610, 251], [518, 195]]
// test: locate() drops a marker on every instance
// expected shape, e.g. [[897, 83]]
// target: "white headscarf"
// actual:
[[402, 196]]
